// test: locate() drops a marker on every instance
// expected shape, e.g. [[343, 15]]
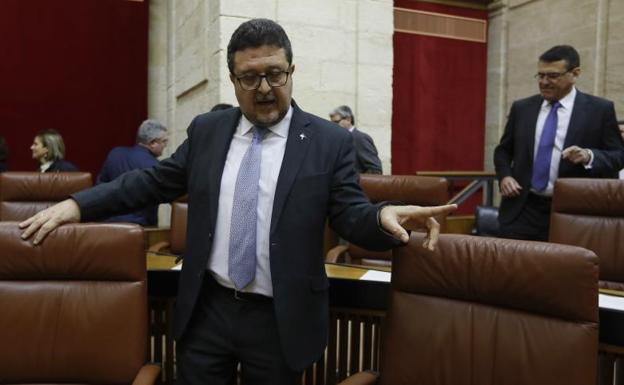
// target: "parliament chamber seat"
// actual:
[[177, 230], [74, 307], [23, 194], [590, 213], [489, 311], [407, 189]]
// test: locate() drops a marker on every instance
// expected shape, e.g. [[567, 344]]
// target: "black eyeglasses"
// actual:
[[550, 75], [251, 82]]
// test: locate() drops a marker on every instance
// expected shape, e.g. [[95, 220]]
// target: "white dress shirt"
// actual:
[[563, 121], [273, 147]]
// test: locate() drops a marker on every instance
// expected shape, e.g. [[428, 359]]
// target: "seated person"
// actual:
[[151, 141], [49, 149]]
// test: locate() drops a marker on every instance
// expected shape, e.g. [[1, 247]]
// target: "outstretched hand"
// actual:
[[49, 219], [397, 219]]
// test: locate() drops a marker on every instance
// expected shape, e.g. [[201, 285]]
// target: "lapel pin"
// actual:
[[302, 136]]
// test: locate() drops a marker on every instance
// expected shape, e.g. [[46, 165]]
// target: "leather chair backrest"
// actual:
[[590, 213], [74, 309], [408, 189], [23, 194], [179, 214], [491, 311]]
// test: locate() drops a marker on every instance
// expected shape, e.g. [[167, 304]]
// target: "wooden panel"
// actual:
[[439, 25]]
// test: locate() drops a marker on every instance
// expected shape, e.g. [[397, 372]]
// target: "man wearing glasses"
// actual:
[[560, 133], [261, 180], [366, 158]]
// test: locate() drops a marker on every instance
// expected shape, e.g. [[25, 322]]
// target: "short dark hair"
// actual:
[[256, 33], [562, 52]]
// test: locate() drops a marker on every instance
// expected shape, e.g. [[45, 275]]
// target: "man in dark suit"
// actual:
[[151, 140], [366, 158], [261, 181], [560, 133]]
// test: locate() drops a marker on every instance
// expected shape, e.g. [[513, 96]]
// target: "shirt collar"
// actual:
[[280, 129], [45, 166], [566, 102]]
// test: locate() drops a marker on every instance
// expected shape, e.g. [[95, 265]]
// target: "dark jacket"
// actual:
[[317, 180], [61, 165], [592, 125], [121, 160]]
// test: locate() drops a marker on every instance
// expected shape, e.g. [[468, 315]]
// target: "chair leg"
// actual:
[[605, 369], [619, 371]]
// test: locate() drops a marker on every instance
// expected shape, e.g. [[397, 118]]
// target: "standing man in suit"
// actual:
[[560, 133], [261, 181], [366, 158]]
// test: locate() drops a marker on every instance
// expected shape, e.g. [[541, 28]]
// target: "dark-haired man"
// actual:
[[561, 132], [261, 181], [366, 158]]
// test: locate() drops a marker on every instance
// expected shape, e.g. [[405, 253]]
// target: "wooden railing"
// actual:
[[478, 180]]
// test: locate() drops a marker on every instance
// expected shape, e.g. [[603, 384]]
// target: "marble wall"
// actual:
[[342, 52]]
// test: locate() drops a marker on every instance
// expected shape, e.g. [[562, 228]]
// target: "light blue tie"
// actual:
[[242, 259], [541, 165]]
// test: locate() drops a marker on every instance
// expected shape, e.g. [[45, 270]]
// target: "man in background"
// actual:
[[367, 161], [559, 133], [151, 141]]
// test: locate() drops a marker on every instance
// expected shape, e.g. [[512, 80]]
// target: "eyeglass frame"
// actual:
[[551, 76], [260, 77]]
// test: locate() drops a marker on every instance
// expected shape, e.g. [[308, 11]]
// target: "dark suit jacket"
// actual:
[[121, 160], [592, 125], [317, 180], [367, 160], [61, 165]]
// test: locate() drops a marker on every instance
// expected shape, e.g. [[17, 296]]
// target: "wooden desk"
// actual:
[[357, 311]]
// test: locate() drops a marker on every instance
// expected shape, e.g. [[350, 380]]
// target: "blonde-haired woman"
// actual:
[[48, 148]]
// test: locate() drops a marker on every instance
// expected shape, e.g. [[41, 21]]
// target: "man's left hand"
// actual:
[[397, 219], [576, 155]]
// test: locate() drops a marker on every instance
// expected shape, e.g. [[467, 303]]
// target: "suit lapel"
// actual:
[[300, 135], [216, 152], [577, 120], [534, 110]]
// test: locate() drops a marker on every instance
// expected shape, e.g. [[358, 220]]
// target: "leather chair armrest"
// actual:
[[159, 247], [335, 253], [362, 378], [148, 374]]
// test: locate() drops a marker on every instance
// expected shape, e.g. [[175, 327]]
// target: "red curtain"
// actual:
[[439, 90], [78, 66]]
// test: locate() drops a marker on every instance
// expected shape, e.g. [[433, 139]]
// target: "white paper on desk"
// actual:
[[376, 275], [612, 302], [177, 267]]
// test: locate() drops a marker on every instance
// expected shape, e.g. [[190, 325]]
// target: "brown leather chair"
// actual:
[[74, 309], [590, 213], [177, 237], [490, 311], [408, 189], [23, 194]]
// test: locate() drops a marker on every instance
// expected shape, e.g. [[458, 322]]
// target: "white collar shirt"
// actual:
[[273, 148], [563, 121]]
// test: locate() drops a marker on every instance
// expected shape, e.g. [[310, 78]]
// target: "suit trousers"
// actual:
[[227, 332], [533, 223]]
